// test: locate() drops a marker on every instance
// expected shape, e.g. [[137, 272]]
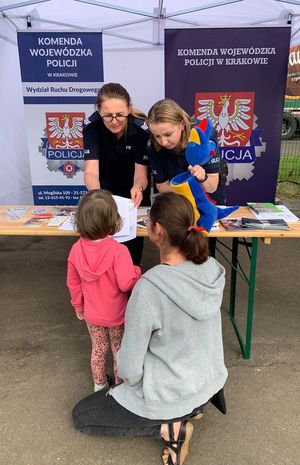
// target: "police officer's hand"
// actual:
[[198, 172], [136, 193]]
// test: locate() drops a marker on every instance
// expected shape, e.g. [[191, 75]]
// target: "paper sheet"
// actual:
[[131, 224], [285, 214], [128, 213]]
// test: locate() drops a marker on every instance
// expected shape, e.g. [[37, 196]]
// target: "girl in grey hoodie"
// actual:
[[171, 357]]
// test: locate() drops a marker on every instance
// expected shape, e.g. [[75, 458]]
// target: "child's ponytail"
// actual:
[[175, 213], [195, 247]]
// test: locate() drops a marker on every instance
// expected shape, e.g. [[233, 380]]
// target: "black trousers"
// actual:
[[135, 247], [100, 414], [212, 243]]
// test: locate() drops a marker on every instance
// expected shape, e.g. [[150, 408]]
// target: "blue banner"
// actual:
[[236, 77], [60, 56], [61, 75]]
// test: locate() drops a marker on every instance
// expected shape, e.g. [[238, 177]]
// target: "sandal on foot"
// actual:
[[197, 415], [180, 445]]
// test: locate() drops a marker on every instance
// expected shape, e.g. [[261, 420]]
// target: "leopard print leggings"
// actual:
[[101, 338]]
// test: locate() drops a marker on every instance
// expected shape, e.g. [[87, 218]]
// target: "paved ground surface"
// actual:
[[44, 359]]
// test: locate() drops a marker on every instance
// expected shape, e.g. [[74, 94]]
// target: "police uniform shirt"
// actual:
[[117, 157], [165, 164]]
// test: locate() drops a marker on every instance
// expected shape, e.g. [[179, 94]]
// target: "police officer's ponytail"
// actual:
[[175, 213]]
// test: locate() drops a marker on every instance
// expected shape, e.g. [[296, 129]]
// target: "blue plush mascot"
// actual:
[[199, 151]]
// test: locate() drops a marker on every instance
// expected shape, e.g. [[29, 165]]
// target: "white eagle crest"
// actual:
[[66, 132], [225, 123]]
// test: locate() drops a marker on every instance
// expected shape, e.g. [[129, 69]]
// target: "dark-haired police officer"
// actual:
[[115, 152]]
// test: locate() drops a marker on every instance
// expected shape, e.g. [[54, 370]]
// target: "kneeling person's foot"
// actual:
[[176, 437]]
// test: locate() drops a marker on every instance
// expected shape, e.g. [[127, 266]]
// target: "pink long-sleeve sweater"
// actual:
[[100, 274]]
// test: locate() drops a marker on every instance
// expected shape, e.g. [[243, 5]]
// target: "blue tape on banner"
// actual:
[[58, 100]]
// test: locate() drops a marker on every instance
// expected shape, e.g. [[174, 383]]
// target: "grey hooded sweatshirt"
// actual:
[[171, 357]]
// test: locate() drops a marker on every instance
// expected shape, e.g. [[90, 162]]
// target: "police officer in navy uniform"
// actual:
[[115, 152], [166, 164], [170, 128]]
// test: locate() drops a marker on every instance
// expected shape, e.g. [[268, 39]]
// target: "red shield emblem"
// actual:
[[231, 114], [64, 130]]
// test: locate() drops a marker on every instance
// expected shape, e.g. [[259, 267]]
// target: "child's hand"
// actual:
[[80, 315]]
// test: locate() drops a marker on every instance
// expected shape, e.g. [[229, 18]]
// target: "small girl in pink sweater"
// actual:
[[100, 275]]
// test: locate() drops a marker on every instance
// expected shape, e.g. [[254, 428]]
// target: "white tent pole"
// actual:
[[4, 16], [195, 23], [268, 20], [158, 15], [251, 23], [160, 9], [132, 38], [159, 23], [73, 26], [292, 2], [128, 23], [184, 21], [204, 7], [19, 5], [49, 21], [295, 32], [116, 7], [8, 40]]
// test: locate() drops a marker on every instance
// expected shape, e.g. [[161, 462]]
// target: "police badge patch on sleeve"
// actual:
[[140, 123]]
